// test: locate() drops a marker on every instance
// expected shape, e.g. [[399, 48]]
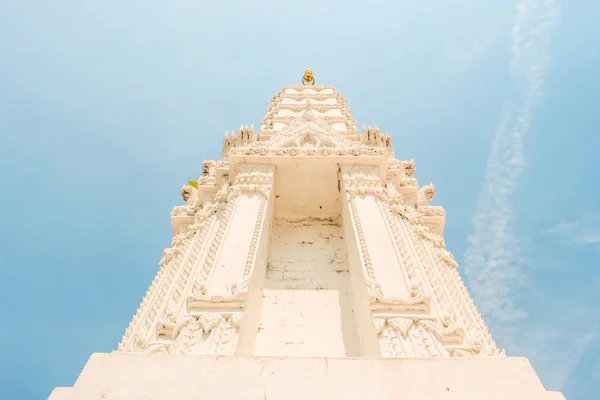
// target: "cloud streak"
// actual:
[[492, 261], [585, 231]]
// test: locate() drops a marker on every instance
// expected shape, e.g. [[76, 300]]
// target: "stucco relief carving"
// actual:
[[447, 257], [432, 211], [209, 168], [222, 194], [435, 260], [148, 310], [189, 194], [373, 287], [408, 182], [417, 302], [372, 136], [255, 178], [364, 180], [244, 136], [309, 131], [200, 279], [309, 134], [153, 348], [413, 215], [426, 194], [401, 337], [251, 257], [414, 277], [207, 334], [409, 167], [425, 337], [391, 192], [361, 180]]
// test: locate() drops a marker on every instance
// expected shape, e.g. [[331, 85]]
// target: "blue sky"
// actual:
[[106, 108]]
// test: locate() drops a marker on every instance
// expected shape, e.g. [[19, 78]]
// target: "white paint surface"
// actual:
[[307, 306], [381, 249], [120, 376]]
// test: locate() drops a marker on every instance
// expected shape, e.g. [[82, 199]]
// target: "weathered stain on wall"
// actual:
[[307, 304]]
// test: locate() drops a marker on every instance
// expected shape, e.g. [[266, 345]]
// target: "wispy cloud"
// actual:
[[584, 231], [492, 258], [557, 363]]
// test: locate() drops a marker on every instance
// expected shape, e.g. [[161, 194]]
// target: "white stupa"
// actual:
[[307, 264]]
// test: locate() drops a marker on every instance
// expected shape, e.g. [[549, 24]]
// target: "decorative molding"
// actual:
[[203, 302], [401, 337], [404, 336], [203, 334], [432, 211], [207, 334], [373, 287], [360, 181], [417, 302], [251, 258], [415, 278], [255, 178], [434, 247], [308, 135], [146, 312], [408, 182], [308, 151], [426, 194], [200, 283]]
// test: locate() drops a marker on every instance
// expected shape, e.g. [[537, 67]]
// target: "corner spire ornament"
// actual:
[[308, 78]]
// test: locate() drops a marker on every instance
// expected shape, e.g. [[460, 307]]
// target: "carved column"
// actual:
[[215, 319], [392, 311], [449, 326], [196, 304]]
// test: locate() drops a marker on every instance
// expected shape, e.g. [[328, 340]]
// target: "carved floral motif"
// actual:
[[407, 182], [207, 334], [402, 337], [432, 211]]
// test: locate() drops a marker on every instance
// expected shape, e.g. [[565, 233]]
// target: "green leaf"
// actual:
[[193, 184]]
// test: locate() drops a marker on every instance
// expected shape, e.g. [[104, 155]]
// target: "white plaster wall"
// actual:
[[127, 376], [307, 187], [307, 307], [231, 261]]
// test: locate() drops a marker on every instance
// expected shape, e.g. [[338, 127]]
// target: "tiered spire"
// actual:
[[290, 102]]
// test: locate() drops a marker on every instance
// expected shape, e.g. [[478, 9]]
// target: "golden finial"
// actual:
[[308, 78]]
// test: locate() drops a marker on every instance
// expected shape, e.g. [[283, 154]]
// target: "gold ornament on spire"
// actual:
[[308, 78]]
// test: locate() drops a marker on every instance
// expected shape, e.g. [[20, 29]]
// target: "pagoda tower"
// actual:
[[307, 263]]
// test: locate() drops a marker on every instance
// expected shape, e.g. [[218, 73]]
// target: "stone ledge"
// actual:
[[129, 376]]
